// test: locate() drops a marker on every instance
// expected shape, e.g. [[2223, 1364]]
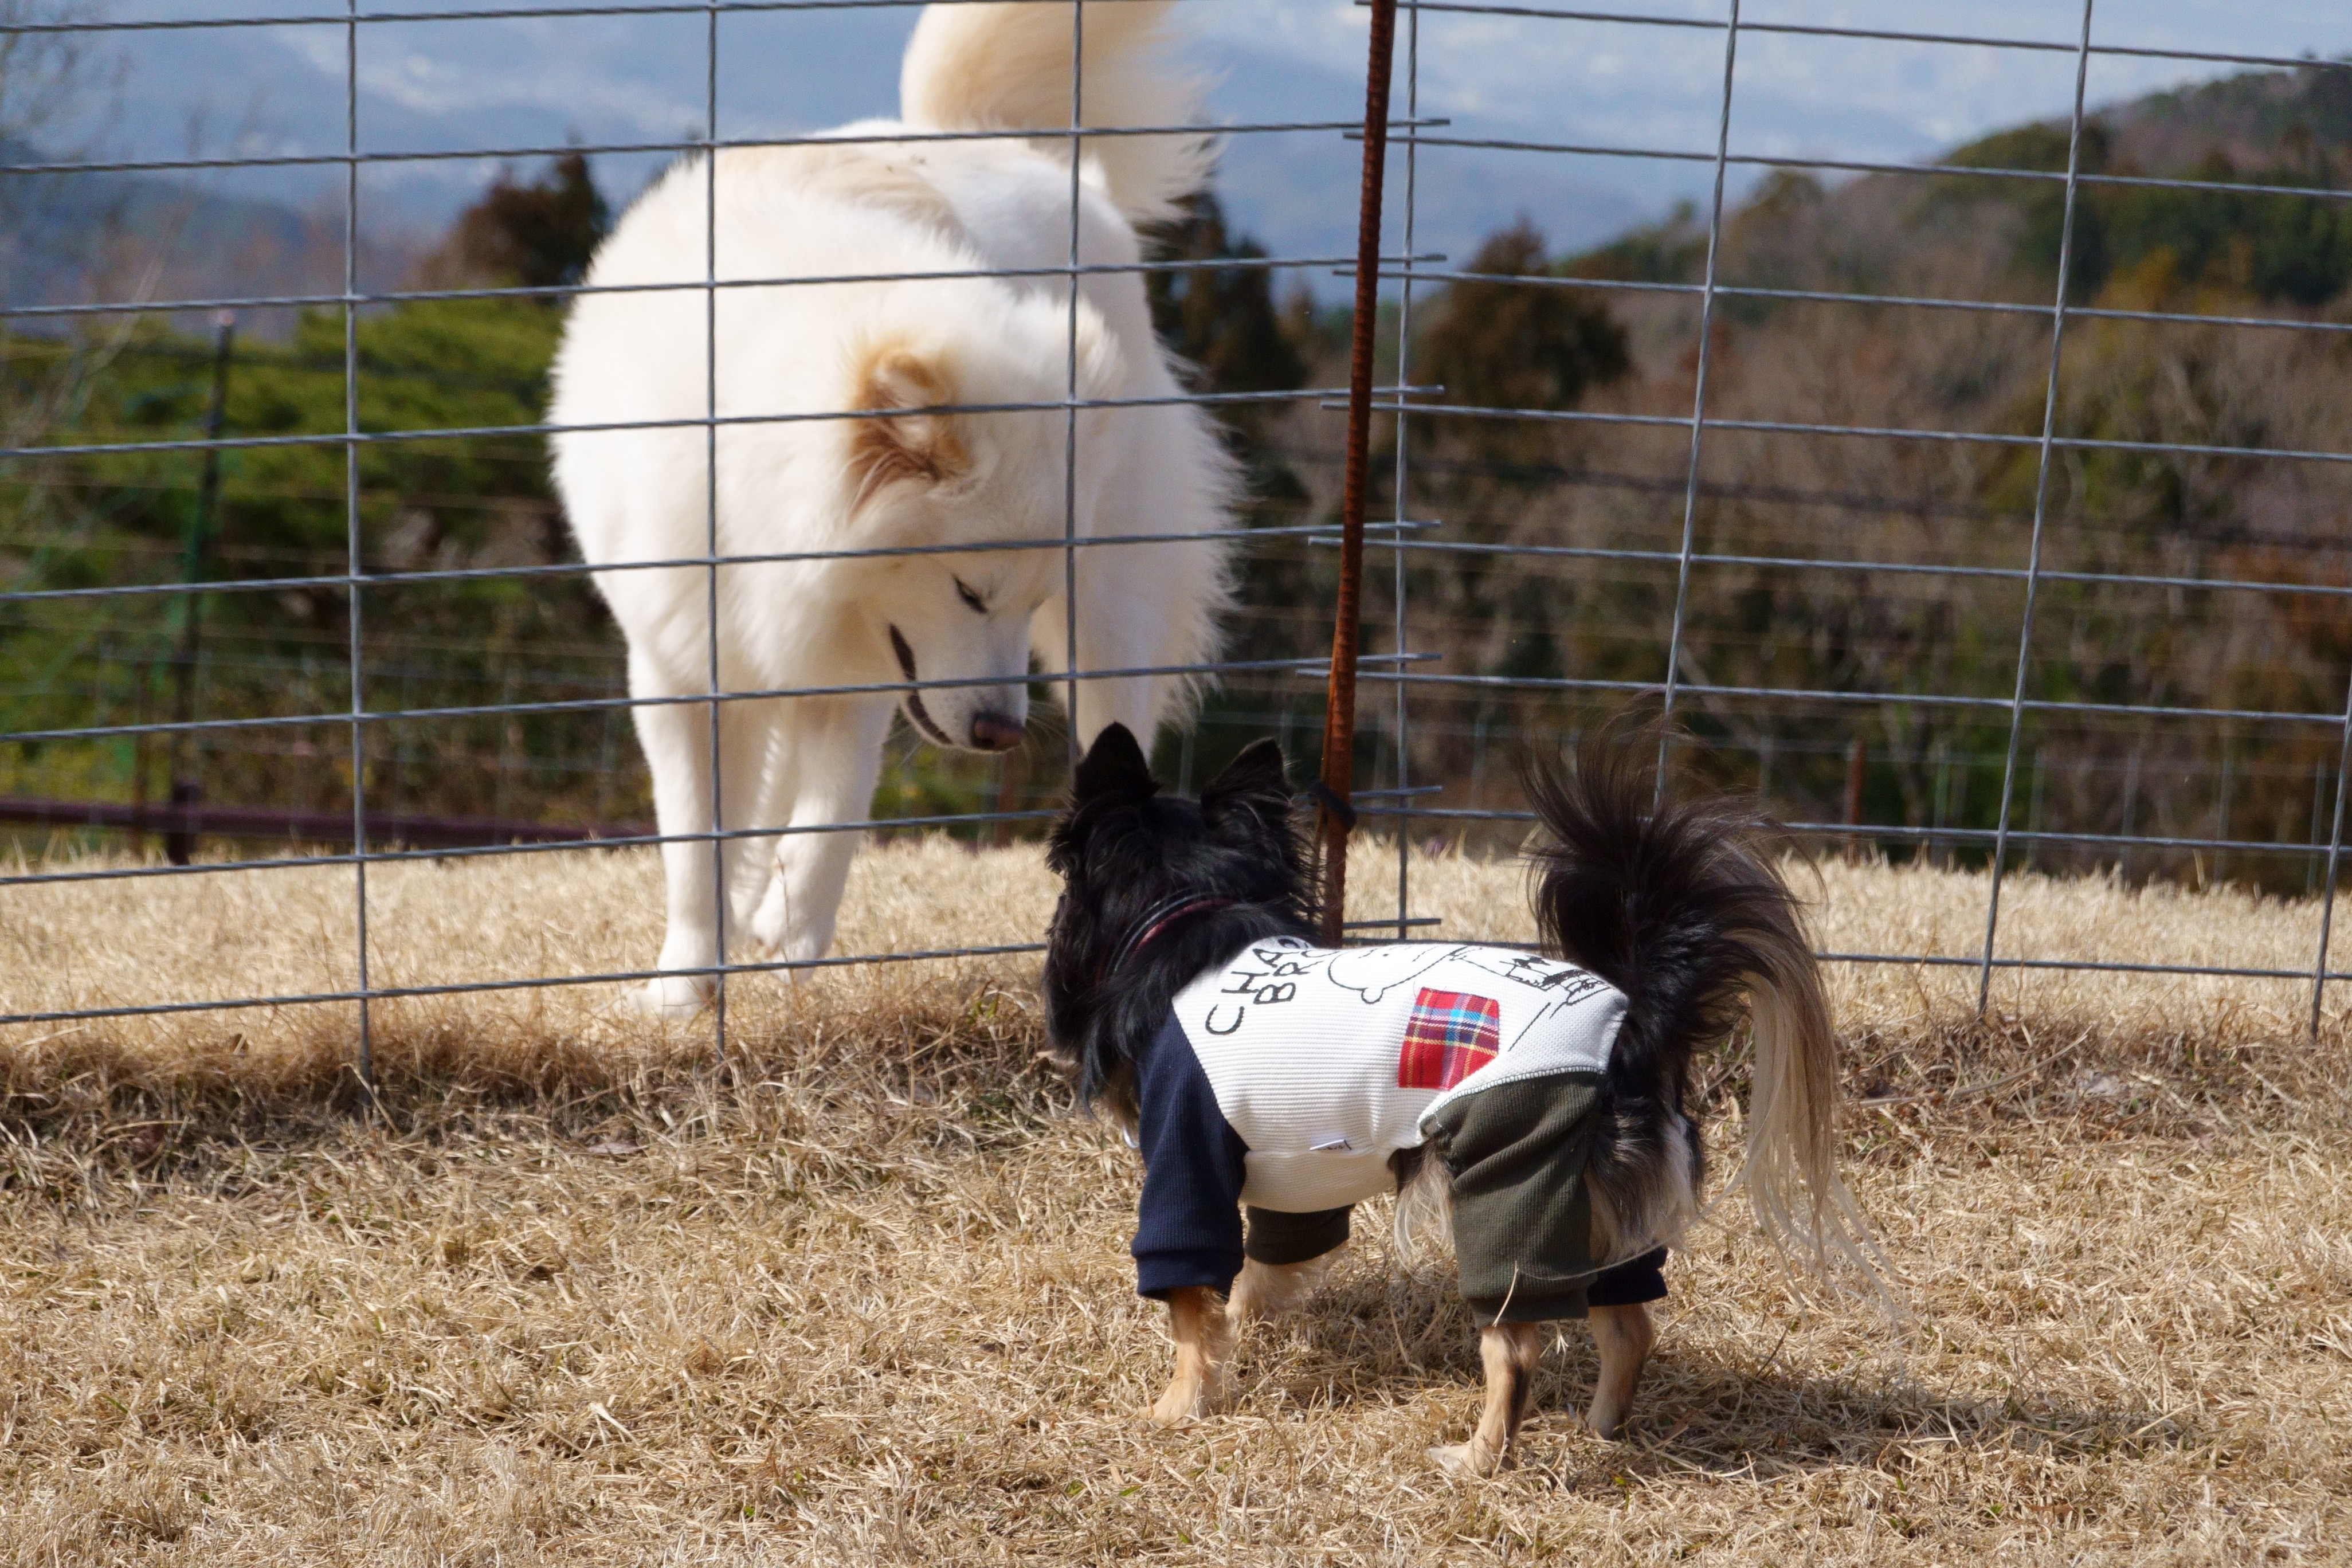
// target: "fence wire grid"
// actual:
[[2017, 741]]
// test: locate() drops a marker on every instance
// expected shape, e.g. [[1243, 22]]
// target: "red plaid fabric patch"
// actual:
[[1452, 1034]]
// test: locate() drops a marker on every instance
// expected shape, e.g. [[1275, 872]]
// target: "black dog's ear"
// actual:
[[1254, 783], [1114, 765]]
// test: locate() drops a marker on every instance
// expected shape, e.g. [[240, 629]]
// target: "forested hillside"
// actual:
[[280, 513], [1567, 340], [1774, 497]]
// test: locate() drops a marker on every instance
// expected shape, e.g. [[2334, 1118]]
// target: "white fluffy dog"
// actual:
[[796, 480]]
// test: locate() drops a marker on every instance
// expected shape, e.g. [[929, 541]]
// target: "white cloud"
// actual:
[[634, 78], [1599, 83], [454, 69]]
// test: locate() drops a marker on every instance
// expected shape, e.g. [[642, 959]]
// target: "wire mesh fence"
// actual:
[[2001, 741], [2025, 563]]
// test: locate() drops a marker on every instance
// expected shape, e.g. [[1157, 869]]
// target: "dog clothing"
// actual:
[[1286, 1080]]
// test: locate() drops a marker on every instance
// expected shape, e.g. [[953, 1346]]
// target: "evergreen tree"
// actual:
[[1223, 319], [1513, 345], [538, 234]]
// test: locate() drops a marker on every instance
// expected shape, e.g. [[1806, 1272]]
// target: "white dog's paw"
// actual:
[[770, 925], [777, 939], [672, 996]]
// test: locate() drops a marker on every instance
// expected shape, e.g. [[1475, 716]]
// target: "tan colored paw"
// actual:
[[1467, 1460], [1184, 1400], [1601, 1423]]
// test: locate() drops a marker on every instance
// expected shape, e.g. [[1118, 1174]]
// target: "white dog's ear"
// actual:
[[926, 447]]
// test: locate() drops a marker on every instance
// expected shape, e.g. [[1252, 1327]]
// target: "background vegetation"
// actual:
[[1560, 340]]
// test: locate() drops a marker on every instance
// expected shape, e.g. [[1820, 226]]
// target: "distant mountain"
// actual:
[[435, 87], [1999, 239], [2298, 121], [65, 239], [1296, 192], [517, 83]]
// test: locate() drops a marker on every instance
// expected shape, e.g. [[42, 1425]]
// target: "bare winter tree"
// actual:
[[48, 91], [40, 72]]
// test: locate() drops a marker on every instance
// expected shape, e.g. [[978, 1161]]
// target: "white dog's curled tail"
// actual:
[[1007, 67]]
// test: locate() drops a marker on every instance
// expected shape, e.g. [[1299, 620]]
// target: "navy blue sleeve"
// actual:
[[1189, 1224]]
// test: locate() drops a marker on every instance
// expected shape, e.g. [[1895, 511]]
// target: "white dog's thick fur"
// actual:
[[801, 485]]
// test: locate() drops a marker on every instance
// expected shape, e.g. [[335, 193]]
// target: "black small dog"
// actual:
[[1185, 992]]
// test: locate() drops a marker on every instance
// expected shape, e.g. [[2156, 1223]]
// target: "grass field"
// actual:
[[569, 1294]]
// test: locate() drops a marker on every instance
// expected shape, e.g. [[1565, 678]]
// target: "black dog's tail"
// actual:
[[1678, 905]]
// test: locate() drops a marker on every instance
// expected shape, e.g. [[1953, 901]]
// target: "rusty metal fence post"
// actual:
[[1336, 814]]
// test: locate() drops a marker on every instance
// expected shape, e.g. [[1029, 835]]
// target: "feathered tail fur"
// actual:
[[1007, 67], [1677, 904]]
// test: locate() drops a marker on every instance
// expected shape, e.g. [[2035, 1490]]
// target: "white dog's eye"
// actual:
[[965, 592]]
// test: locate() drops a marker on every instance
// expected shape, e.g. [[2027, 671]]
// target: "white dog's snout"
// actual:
[[980, 718], [992, 717], [993, 729]]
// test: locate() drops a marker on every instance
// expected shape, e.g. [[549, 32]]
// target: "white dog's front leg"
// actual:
[[676, 742], [756, 793], [836, 746]]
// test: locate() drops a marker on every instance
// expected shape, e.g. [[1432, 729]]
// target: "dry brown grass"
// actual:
[[574, 1296]]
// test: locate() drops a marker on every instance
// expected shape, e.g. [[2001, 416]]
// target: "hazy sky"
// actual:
[[1791, 93], [523, 83]]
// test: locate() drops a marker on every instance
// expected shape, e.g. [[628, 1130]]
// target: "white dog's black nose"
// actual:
[[995, 731]]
